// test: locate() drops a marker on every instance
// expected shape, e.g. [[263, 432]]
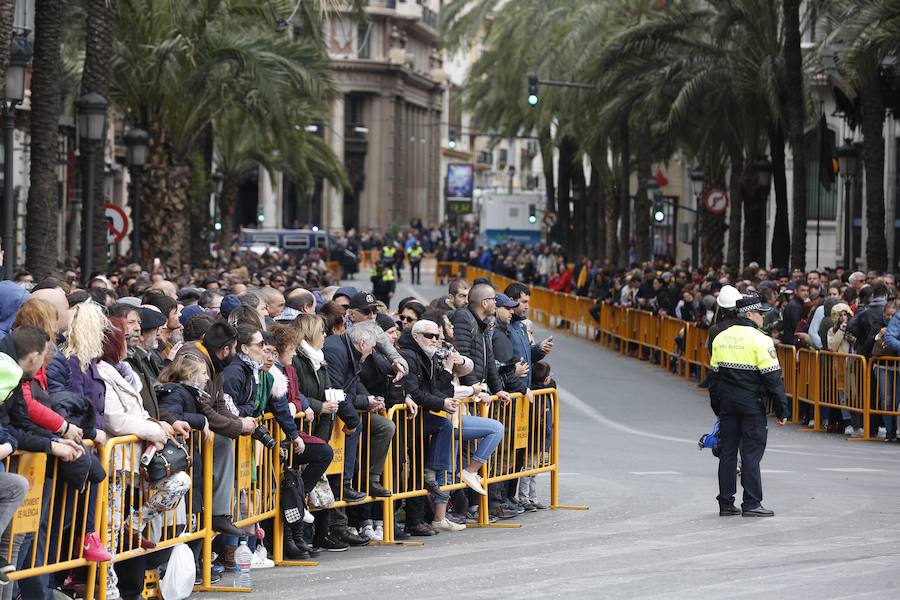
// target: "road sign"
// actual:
[[550, 219], [716, 201], [116, 223]]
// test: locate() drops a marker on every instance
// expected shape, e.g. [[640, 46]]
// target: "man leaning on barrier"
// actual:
[[744, 370]]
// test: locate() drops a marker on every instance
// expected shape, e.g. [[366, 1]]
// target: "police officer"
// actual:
[[745, 371], [415, 254], [389, 255], [383, 283]]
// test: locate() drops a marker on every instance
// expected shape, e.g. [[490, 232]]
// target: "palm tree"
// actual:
[[867, 34], [99, 32], [177, 66], [40, 220], [7, 14], [794, 104]]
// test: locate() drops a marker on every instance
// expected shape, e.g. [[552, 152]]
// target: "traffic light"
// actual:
[[451, 143], [533, 97], [217, 226], [261, 218], [659, 213], [532, 214]]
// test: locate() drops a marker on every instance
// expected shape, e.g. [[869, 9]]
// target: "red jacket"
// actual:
[[561, 283], [41, 415]]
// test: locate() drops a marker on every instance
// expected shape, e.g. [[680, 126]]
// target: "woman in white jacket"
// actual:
[[125, 415]]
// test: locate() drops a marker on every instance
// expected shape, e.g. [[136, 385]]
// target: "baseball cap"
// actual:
[[504, 301], [345, 291], [363, 301]]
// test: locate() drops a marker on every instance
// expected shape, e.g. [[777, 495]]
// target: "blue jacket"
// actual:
[[59, 373], [892, 335], [238, 383], [522, 346], [343, 371], [12, 297]]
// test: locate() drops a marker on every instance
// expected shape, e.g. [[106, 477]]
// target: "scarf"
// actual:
[[255, 366], [316, 357]]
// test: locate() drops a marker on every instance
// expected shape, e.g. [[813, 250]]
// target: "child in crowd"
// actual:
[[527, 496]]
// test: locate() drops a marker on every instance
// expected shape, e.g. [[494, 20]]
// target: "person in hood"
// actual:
[[12, 297]]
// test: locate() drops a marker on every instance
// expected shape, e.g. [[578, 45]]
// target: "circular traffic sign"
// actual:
[[116, 223], [716, 201], [550, 219]]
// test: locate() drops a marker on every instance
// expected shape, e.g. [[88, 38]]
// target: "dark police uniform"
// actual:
[[745, 371]]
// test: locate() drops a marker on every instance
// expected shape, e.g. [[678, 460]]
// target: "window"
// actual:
[[363, 37]]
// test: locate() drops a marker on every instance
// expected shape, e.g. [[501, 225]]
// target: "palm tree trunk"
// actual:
[[753, 249], [101, 28], [580, 216], [794, 101], [7, 15], [547, 163], [736, 160], [625, 196], [873, 157], [712, 229], [227, 205], [781, 233], [40, 221], [597, 216], [166, 186], [567, 151], [641, 198], [201, 187]]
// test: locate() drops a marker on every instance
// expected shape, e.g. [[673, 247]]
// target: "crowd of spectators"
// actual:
[[159, 355]]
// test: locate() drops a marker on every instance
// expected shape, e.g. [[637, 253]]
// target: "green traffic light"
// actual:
[[660, 216], [532, 219], [261, 218], [217, 226], [533, 99], [451, 144]]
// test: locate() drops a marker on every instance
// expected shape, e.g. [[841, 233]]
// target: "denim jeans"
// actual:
[[887, 396], [489, 432]]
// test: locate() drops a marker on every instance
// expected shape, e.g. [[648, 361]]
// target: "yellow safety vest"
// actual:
[[386, 275], [415, 254]]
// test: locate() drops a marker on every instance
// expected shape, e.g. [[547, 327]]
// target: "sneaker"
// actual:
[[329, 543], [473, 481], [93, 550], [859, 433], [5, 569], [501, 511], [529, 507], [472, 517], [348, 536], [447, 525], [372, 534], [259, 560], [848, 430], [882, 433], [513, 506], [455, 518], [538, 504], [811, 424], [213, 578]]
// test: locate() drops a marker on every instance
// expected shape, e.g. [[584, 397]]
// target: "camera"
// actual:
[[261, 434], [444, 351]]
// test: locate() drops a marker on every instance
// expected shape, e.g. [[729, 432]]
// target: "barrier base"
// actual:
[[221, 588], [398, 543], [296, 563], [865, 439], [495, 525], [568, 507]]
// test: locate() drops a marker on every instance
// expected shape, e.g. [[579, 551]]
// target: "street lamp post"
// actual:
[[697, 177], [136, 143], [92, 127], [848, 162], [14, 93], [652, 186], [512, 175]]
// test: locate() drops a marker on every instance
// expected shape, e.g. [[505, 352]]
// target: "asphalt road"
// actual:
[[629, 450]]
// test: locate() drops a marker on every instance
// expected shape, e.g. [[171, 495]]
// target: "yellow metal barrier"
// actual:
[[449, 270], [844, 385], [885, 379], [54, 515], [808, 381]]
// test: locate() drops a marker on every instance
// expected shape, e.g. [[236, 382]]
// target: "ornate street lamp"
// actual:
[[698, 179], [13, 94], [136, 155], [848, 163], [763, 173], [92, 127]]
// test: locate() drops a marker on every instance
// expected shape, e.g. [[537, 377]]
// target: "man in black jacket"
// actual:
[[472, 338], [430, 386], [345, 355]]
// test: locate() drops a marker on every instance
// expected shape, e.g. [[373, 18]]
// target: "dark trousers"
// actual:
[[747, 432], [415, 272], [316, 457]]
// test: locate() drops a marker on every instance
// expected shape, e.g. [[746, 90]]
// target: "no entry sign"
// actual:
[[116, 223]]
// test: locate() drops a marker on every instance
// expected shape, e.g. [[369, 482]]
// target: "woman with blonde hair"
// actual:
[[83, 348]]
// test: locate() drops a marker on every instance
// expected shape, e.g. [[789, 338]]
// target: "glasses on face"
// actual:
[[258, 344], [431, 336], [407, 319]]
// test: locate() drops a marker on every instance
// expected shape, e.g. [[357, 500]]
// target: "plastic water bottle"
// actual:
[[242, 558]]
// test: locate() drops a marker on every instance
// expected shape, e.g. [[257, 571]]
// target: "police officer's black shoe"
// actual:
[[728, 510], [759, 511]]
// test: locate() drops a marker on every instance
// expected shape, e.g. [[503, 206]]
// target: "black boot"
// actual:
[[300, 543], [291, 550]]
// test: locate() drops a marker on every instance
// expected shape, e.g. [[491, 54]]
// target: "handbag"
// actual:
[[321, 495], [156, 464]]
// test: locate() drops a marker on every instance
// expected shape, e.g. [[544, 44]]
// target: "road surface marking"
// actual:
[[851, 470], [654, 473]]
